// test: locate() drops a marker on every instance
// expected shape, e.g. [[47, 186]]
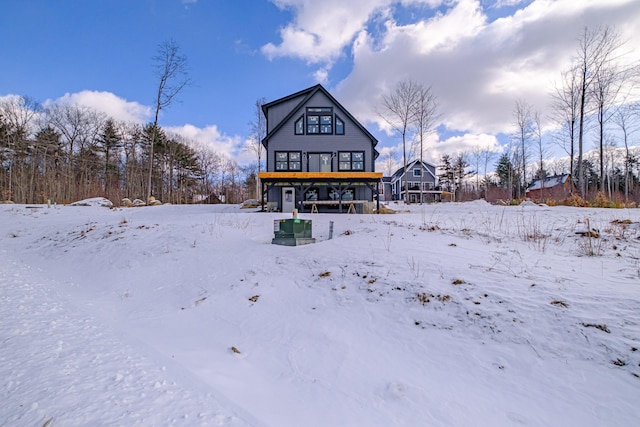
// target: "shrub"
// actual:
[[575, 200]]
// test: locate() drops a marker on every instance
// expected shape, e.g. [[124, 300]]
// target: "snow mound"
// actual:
[[250, 203], [528, 204], [95, 201]]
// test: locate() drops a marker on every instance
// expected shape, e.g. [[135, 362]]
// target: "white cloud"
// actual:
[[503, 3], [108, 103], [210, 138], [479, 68], [321, 76], [321, 30], [464, 144]]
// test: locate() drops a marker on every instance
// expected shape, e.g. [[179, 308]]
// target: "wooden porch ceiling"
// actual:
[[364, 176]]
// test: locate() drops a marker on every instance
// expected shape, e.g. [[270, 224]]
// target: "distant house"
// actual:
[[554, 187], [417, 193], [319, 157], [386, 191]]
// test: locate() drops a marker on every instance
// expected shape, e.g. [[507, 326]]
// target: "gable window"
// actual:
[[339, 126], [288, 161], [299, 127], [320, 120], [416, 172], [351, 160], [326, 124], [313, 124]]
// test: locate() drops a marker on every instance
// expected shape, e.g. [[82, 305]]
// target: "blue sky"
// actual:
[[479, 57]]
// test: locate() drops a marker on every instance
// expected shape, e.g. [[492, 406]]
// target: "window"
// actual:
[[288, 161], [326, 124], [347, 194], [339, 126], [351, 161], [319, 120], [311, 195], [319, 162], [300, 126], [313, 124], [417, 172]]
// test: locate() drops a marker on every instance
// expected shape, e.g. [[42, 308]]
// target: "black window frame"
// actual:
[[295, 126], [314, 121], [342, 161], [289, 162], [335, 126]]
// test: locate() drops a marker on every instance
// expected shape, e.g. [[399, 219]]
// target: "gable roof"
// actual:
[[307, 94], [548, 182], [400, 172]]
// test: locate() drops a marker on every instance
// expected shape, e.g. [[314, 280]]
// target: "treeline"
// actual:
[[483, 173], [67, 152]]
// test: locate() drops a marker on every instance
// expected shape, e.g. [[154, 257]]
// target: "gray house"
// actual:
[[417, 173], [319, 157]]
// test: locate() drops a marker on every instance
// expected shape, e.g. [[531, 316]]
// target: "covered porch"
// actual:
[[319, 191]]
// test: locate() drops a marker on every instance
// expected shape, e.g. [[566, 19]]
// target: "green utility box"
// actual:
[[292, 232]]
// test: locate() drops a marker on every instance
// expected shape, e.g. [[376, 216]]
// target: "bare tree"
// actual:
[[172, 72], [541, 149], [488, 154], [566, 107], [606, 90], [389, 158], [477, 154], [627, 122], [17, 119], [134, 176], [424, 117], [523, 123], [258, 130], [398, 110], [595, 51], [79, 127]]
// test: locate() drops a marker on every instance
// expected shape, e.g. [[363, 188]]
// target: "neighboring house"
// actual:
[[555, 187], [386, 191], [417, 194], [319, 157]]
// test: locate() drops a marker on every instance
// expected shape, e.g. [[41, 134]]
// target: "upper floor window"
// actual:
[[351, 160], [339, 126], [300, 126], [326, 124], [319, 120], [288, 161], [417, 172]]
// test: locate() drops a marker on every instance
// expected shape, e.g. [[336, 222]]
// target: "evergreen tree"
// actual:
[[460, 169], [505, 171], [109, 142], [446, 176]]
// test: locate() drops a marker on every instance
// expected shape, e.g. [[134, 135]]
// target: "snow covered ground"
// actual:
[[439, 315]]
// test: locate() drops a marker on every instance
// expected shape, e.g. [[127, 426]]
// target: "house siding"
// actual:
[[277, 113]]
